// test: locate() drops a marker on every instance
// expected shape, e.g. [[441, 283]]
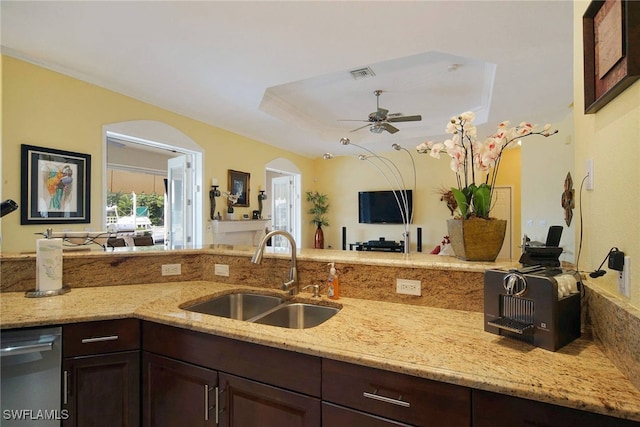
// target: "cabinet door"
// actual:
[[102, 390], [246, 403], [176, 393]]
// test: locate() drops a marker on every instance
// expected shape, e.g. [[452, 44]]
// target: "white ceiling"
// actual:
[[278, 71]]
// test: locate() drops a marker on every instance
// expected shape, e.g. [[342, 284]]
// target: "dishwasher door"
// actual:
[[30, 377]]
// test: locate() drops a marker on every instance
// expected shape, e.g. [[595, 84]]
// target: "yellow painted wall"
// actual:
[[509, 176], [48, 109], [611, 137]]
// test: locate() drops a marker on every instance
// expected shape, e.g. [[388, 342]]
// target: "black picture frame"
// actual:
[[55, 186], [619, 22], [239, 183]]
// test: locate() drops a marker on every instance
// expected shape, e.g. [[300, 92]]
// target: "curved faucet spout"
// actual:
[[292, 285]]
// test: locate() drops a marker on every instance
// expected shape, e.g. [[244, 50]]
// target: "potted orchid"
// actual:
[[476, 165]]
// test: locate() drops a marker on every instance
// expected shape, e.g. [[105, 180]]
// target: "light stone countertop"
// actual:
[[385, 259], [439, 344]]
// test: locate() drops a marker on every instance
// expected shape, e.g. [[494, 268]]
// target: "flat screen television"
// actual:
[[380, 207]]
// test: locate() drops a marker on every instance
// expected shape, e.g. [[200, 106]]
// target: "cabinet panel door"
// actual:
[[176, 393], [333, 416], [103, 390], [246, 403]]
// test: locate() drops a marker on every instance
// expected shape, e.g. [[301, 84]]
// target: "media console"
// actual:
[[382, 245]]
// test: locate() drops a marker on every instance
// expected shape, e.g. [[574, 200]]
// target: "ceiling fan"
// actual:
[[380, 120]]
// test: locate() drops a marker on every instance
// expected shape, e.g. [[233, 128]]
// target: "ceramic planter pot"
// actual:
[[477, 239]]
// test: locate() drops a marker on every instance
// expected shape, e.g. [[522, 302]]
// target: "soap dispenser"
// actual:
[[333, 284]]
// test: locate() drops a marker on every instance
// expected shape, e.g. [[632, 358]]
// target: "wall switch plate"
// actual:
[[408, 287], [221, 270], [171, 269], [589, 171], [624, 278]]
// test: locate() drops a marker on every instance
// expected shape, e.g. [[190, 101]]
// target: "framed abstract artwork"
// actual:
[[55, 186], [611, 43]]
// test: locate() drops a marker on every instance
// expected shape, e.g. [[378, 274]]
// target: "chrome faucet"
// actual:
[[292, 285]]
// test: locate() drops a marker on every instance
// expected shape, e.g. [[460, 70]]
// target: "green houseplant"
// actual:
[[318, 211], [476, 165]]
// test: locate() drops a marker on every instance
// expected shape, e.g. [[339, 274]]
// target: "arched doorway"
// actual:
[[183, 217]]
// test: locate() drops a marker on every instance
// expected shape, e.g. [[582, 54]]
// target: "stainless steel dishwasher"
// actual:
[[30, 377]]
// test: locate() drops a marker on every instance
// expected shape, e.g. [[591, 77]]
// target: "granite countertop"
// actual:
[[386, 259], [439, 344]]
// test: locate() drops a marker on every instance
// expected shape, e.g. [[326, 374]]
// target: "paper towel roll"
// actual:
[[48, 264]]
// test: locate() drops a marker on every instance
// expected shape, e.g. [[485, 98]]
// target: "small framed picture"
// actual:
[[55, 186], [239, 185]]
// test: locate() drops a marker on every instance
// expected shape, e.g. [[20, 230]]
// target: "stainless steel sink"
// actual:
[[241, 306], [297, 316]]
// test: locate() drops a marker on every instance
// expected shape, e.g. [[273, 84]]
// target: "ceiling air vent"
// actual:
[[362, 73]]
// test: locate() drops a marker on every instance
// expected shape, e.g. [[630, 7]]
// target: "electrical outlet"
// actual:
[[408, 287], [624, 278], [171, 269], [589, 171], [221, 270]]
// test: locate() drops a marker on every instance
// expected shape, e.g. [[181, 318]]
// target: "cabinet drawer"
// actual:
[[333, 415], [281, 368], [104, 336], [395, 396], [498, 410]]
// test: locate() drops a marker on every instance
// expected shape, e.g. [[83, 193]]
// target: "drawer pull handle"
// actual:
[[207, 408], [384, 399], [99, 339], [65, 377]]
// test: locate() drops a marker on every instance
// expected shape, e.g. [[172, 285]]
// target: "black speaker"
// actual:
[[419, 241], [344, 238]]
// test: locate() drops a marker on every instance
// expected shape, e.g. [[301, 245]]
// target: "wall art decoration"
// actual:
[[611, 43], [55, 186], [239, 185]]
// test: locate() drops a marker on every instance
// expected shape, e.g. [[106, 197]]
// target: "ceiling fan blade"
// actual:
[[389, 128], [361, 127], [415, 118]]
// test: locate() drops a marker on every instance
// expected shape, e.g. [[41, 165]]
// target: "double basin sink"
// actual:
[[265, 309]]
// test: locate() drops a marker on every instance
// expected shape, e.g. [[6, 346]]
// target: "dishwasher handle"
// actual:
[[36, 347]]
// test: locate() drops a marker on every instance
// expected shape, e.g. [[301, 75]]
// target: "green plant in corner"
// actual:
[[319, 208]]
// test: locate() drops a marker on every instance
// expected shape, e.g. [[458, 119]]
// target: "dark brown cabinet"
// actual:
[[390, 397], [177, 393], [334, 415], [191, 378], [246, 403], [498, 410], [101, 373]]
